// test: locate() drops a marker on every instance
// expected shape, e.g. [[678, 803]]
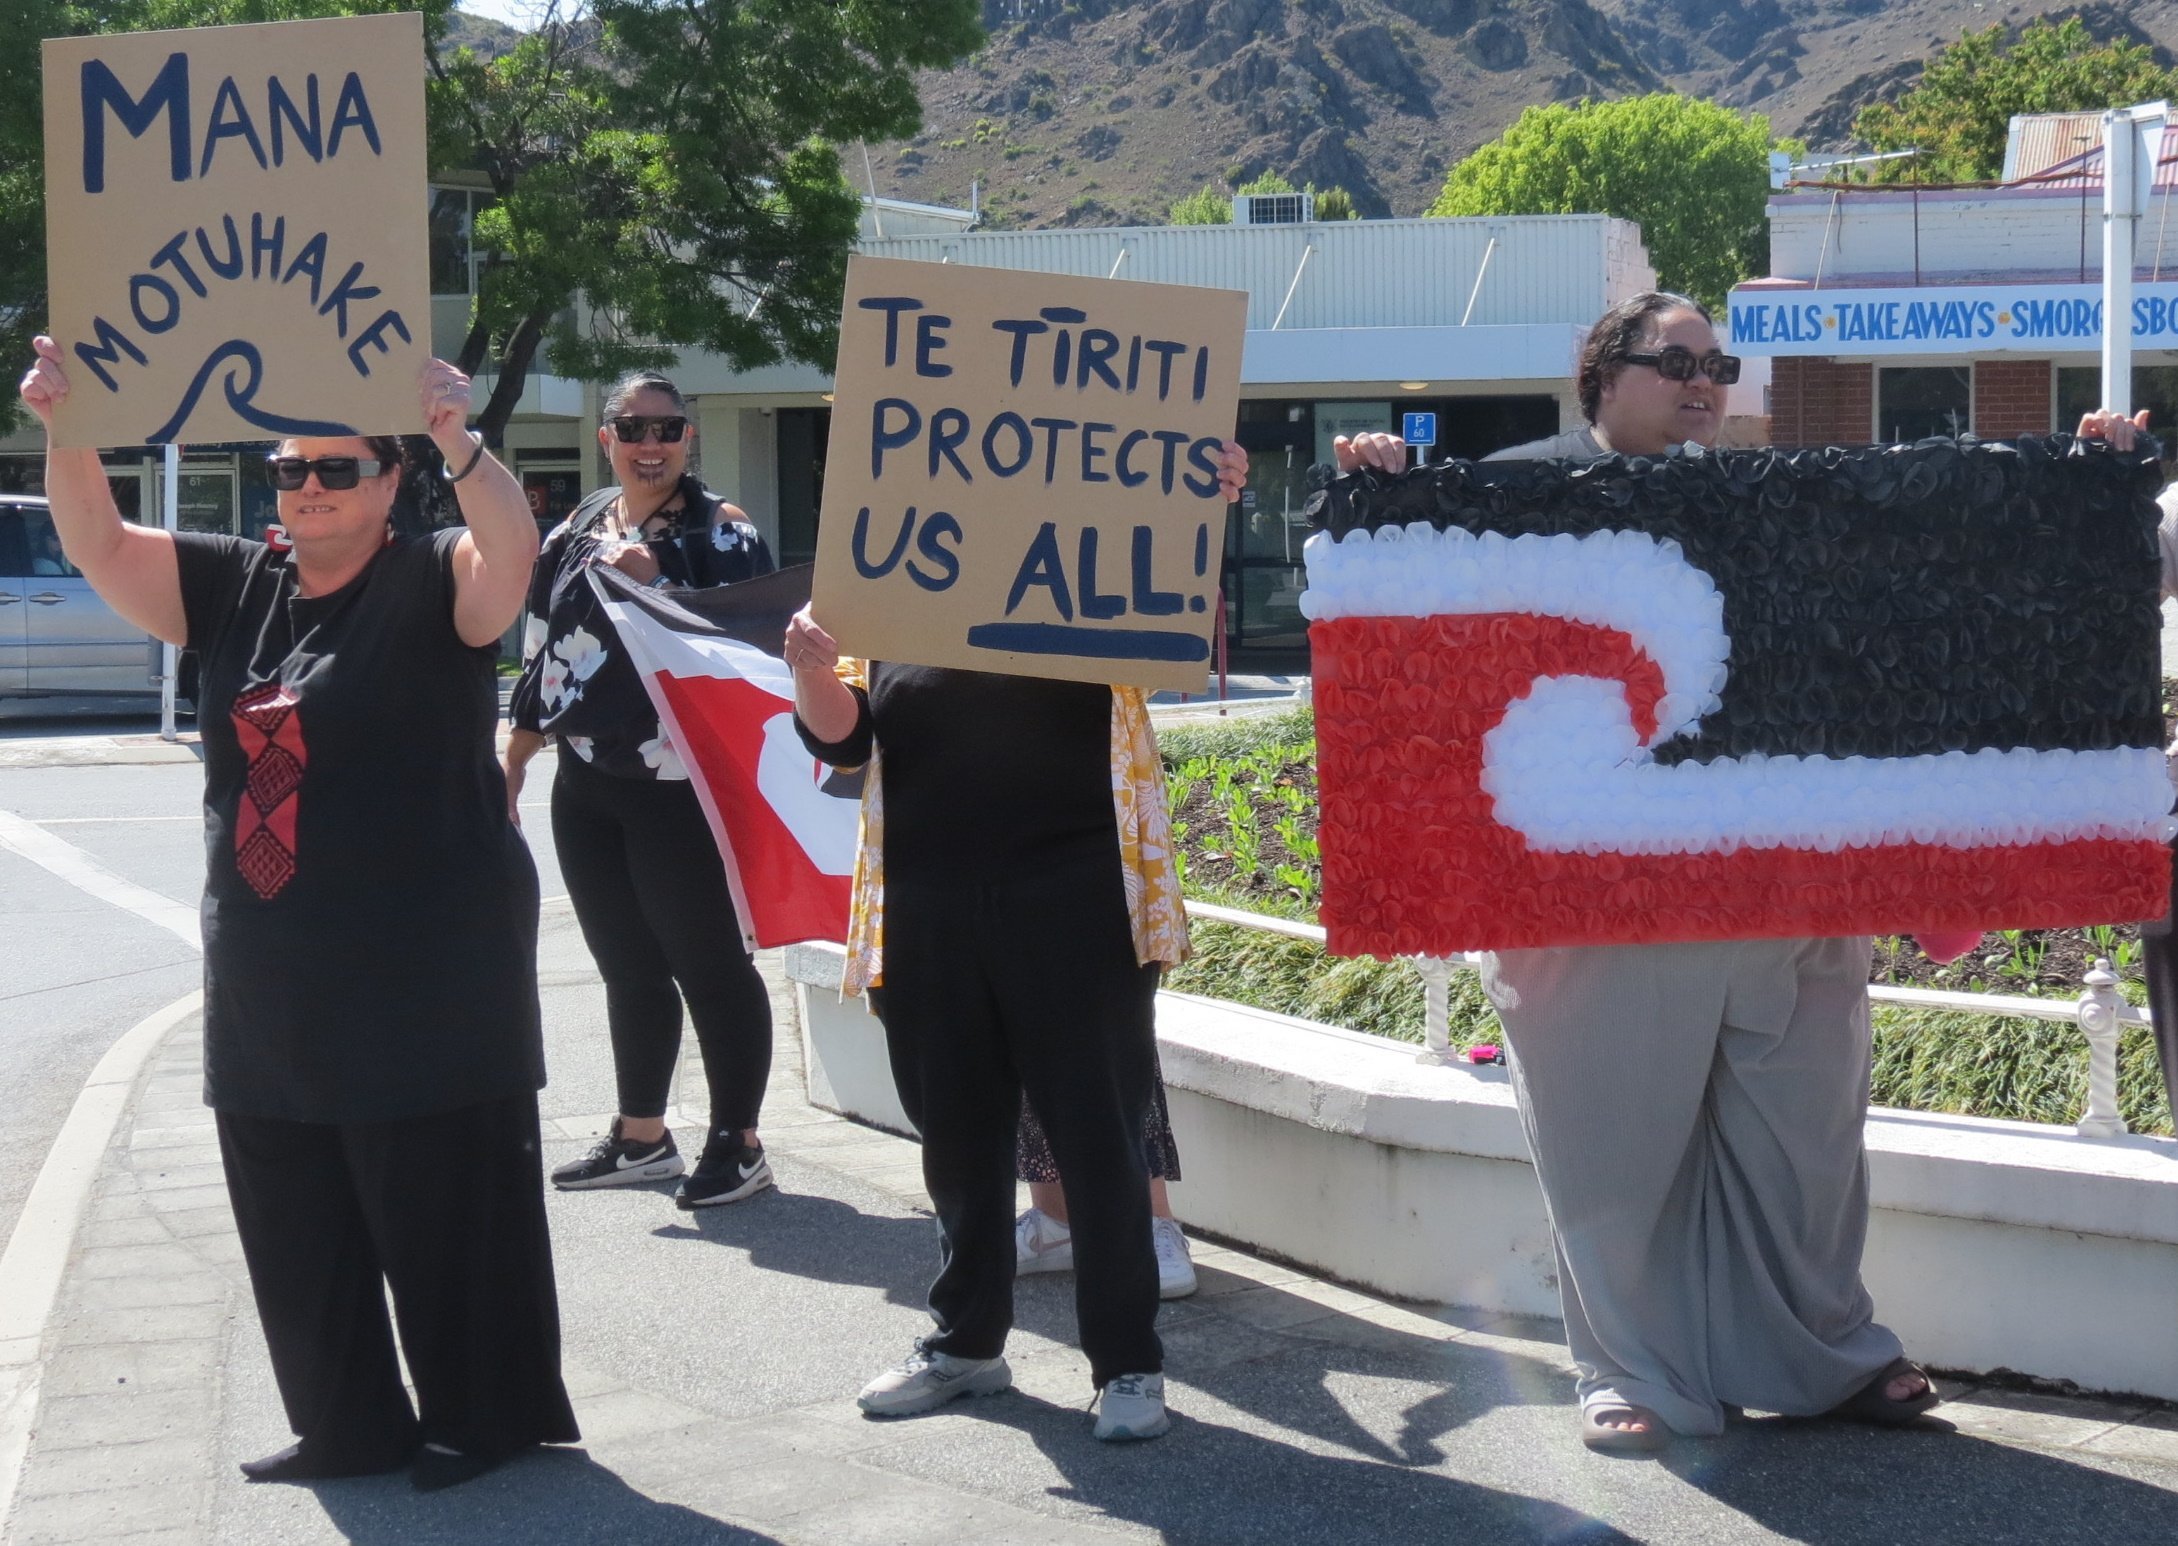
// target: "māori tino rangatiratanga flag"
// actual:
[[1738, 694], [785, 823]]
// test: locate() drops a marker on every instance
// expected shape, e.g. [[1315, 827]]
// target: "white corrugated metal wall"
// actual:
[[1363, 273]]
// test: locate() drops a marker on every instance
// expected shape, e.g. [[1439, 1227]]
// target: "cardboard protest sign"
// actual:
[[1744, 694], [235, 230], [1023, 472]]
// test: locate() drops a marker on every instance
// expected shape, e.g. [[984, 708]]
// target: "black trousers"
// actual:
[[448, 1211], [2159, 964], [1030, 986], [649, 891]]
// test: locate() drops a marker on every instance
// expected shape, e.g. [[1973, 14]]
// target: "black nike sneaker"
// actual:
[[618, 1161], [727, 1172]]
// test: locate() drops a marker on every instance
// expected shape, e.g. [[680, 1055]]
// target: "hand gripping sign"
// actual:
[[235, 230], [1739, 694], [1023, 472]]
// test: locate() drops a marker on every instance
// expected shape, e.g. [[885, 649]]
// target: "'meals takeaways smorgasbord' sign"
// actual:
[[1975, 319], [235, 230]]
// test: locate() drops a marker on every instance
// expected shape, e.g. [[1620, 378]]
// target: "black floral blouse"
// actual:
[[577, 682]]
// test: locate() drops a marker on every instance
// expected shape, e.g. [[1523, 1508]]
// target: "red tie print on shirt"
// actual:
[[269, 724]]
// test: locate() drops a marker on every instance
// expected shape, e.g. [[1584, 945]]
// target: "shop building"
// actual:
[[1892, 313]]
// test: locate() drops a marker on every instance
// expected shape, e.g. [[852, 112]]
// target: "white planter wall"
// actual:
[[1992, 1244]]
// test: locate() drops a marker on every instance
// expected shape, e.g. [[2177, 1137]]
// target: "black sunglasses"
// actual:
[[634, 428], [334, 472], [1676, 362]]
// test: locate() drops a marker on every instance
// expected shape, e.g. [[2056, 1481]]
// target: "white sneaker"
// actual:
[[928, 1380], [1175, 1271], [1041, 1244], [1132, 1406]]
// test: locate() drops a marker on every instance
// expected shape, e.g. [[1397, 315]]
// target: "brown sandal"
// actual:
[[1872, 1404], [1605, 1439]]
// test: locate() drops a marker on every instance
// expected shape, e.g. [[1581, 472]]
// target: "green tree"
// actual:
[[1206, 206], [1694, 174], [672, 163], [1335, 204], [661, 174], [1959, 113]]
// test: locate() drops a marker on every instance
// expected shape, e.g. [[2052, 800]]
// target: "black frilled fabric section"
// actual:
[[1882, 601]]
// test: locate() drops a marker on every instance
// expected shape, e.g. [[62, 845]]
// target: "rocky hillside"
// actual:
[[1096, 112]]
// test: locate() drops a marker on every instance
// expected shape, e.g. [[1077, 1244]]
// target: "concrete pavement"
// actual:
[[714, 1358]]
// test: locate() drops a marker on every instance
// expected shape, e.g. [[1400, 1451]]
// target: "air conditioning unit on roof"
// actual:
[[1273, 208]]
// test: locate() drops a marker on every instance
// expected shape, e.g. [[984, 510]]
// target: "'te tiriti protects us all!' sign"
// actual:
[[1023, 472], [235, 230]]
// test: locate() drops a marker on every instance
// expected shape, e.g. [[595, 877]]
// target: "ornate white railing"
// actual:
[[2100, 1011]]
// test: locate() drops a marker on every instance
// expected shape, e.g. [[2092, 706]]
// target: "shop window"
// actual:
[[1916, 401], [2155, 388], [453, 252]]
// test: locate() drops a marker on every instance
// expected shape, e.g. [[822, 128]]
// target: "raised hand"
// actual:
[[1386, 453], [45, 385]]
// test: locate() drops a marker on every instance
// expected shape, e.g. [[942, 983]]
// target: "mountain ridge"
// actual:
[[1102, 112]]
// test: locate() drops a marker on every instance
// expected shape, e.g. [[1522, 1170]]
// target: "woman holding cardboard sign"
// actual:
[[1016, 898], [371, 1036]]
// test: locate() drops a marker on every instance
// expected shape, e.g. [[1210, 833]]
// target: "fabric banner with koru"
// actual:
[[1739, 694]]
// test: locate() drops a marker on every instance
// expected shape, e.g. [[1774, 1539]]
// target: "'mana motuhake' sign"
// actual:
[[1023, 472], [1981, 319], [235, 230]]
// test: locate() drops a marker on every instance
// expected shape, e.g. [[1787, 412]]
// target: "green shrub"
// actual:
[[2020, 1070], [1234, 737]]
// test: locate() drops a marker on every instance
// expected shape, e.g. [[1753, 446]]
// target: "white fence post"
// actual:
[[2098, 1017], [1436, 975]]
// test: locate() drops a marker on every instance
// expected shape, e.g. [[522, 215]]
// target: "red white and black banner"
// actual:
[[785, 822], [1738, 695]]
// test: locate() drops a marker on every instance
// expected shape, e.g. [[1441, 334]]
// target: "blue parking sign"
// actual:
[[1420, 429]]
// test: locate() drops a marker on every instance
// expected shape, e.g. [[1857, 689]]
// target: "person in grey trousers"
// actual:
[[1695, 1111]]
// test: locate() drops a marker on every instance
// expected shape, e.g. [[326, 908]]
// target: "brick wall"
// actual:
[[2011, 397], [1816, 401]]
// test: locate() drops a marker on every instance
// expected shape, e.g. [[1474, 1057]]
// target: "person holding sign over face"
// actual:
[[371, 1036], [1017, 877], [644, 873]]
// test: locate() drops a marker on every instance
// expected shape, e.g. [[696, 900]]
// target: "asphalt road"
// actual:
[[77, 971]]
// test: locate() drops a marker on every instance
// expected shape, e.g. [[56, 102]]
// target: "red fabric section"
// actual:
[[1415, 864], [268, 722], [719, 731]]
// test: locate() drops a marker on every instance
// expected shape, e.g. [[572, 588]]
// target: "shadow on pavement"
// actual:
[[556, 1495], [1828, 1484], [1241, 1486], [802, 1235]]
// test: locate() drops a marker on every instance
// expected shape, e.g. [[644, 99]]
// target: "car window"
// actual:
[[14, 555], [42, 543]]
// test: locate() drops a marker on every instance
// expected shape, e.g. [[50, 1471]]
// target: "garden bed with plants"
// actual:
[[1244, 824]]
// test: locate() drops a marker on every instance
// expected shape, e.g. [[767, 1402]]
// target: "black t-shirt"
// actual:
[[370, 913], [986, 777], [578, 682]]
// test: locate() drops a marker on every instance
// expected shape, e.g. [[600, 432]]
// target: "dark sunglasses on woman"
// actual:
[[1676, 362], [635, 428], [334, 472]]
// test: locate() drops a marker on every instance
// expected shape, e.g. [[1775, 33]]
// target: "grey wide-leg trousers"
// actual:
[[1695, 1113]]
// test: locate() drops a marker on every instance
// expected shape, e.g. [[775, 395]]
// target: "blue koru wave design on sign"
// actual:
[[242, 360]]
